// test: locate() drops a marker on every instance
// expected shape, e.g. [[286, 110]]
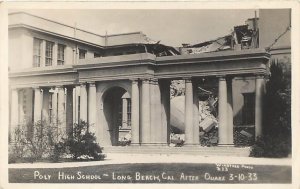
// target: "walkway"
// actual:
[[117, 158]]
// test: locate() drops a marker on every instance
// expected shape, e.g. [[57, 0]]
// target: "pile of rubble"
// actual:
[[208, 125], [208, 134]]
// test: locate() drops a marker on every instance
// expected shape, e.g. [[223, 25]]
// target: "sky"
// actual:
[[171, 27]]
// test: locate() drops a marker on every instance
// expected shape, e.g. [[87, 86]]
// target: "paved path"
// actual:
[[115, 158]]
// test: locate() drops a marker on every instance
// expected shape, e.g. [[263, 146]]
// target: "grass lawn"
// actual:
[[154, 173]]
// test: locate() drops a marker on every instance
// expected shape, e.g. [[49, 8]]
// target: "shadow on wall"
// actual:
[[112, 107]]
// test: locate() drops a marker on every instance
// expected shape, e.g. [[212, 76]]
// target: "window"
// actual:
[[78, 106], [51, 106], [96, 55], [248, 110], [129, 112], [49, 53], [60, 54], [82, 54], [37, 46]]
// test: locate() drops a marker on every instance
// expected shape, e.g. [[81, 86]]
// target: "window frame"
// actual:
[[129, 109], [61, 59], [81, 51], [37, 56], [49, 54]]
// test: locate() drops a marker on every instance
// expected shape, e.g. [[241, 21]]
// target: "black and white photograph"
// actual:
[[149, 95]]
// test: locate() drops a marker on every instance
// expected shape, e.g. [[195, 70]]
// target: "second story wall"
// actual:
[[30, 49], [20, 49]]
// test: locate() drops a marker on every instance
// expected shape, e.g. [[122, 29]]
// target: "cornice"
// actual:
[[114, 64], [41, 71], [205, 73]]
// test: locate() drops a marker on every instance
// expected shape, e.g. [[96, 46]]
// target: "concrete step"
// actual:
[[204, 151]]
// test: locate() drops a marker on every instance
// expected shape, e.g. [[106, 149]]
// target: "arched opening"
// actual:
[[117, 112]]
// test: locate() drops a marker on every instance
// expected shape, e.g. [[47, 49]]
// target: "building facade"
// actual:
[[117, 83]]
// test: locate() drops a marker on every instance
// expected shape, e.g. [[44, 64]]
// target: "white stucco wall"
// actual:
[[272, 23]]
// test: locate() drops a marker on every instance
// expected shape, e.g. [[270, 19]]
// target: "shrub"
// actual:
[[83, 143], [276, 141], [46, 141], [34, 144], [17, 147], [270, 146]]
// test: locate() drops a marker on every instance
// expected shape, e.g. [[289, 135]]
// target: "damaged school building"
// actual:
[[131, 88]]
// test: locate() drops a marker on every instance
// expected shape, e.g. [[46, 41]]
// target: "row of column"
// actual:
[[154, 110], [225, 110], [150, 123], [61, 106], [87, 104], [150, 100]]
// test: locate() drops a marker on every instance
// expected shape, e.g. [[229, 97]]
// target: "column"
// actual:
[[124, 112], [229, 112], [21, 107], [135, 110], [45, 108], [37, 105], [83, 102], [14, 113], [74, 105], [69, 110], [61, 117], [188, 113], [222, 111], [92, 112], [195, 113], [259, 93], [145, 111], [155, 112], [54, 106]]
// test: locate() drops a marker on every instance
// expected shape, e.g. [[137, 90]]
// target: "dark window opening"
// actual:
[[60, 54], [129, 112], [97, 55], [82, 54], [248, 110]]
